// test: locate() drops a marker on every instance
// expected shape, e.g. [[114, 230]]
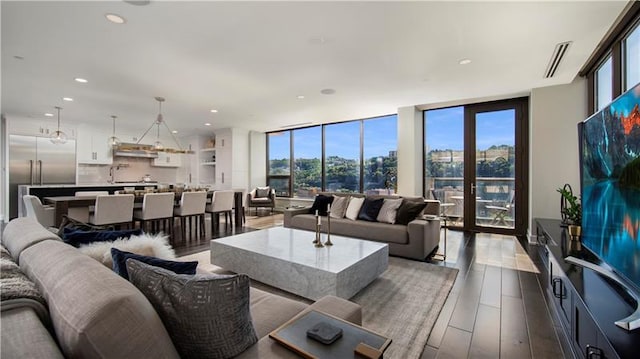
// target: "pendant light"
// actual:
[[58, 137], [158, 145], [113, 140]]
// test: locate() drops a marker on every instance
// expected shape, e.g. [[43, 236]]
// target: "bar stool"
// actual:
[[45, 215], [115, 209], [192, 204], [156, 207], [221, 202], [82, 213]]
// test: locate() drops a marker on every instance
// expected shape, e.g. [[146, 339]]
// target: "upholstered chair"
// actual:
[[35, 209], [261, 197], [112, 209], [192, 204], [221, 202], [82, 213], [156, 207]]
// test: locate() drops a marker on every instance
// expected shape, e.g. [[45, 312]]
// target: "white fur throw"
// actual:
[[155, 245]]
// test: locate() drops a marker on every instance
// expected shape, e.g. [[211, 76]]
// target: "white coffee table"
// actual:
[[286, 258]]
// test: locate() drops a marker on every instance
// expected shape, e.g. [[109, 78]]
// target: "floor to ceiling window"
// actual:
[[632, 58], [353, 156], [604, 84], [307, 161], [279, 166]]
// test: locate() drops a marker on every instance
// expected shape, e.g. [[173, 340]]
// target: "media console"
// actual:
[[588, 303]]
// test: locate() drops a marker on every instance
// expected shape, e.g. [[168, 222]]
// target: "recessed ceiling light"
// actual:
[[464, 62], [114, 18], [174, 131], [48, 114], [328, 91], [300, 97], [207, 124], [81, 80], [67, 99], [214, 111]]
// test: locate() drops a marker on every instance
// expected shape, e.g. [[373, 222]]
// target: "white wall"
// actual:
[[553, 157], [410, 152], [4, 175], [257, 159], [240, 153]]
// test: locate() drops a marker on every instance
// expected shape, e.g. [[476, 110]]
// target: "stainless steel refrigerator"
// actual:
[[37, 161]]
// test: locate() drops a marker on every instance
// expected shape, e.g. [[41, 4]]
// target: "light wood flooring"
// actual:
[[496, 308]]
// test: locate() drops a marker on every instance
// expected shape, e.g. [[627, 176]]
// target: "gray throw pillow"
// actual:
[[389, 210], [339, 206], [207, 316], [262, 192]]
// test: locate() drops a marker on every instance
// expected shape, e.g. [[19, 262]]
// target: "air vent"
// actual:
[[556, 58]]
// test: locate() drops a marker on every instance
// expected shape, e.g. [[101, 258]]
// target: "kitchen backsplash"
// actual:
[[136, 169]]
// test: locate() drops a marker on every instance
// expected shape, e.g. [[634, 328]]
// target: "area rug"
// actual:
[[402, 304]]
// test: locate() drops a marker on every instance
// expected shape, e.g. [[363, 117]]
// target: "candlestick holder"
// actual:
[[328, 241], [318, 242]]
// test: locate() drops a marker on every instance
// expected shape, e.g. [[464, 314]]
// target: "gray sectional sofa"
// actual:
[[417, 240], [94, 313]]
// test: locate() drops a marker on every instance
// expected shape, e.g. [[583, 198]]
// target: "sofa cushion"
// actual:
[[24, 336], [339, 206], [408, 211], [95, 313], [353, 209], [76, 237], [370, 209], [23, 232], [374, 231], [389, 210], [320, 204], [207, 316], [120, 267]]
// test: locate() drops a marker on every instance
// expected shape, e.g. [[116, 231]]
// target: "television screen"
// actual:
[[610, 183]]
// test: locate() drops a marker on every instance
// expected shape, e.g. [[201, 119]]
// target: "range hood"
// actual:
[[134, 150]]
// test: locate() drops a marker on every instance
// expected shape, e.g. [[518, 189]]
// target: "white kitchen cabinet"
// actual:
[[232, 158], [166, 159], [93, 147]]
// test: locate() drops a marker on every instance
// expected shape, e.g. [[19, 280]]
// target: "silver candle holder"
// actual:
[[317, 242], [328, 242]]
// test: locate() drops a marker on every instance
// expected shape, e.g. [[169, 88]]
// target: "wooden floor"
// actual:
[[496, 308]]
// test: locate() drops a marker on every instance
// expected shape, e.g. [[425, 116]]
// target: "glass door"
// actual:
[[476, 165], [494, 143]]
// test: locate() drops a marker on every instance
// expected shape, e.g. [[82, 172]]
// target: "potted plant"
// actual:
[[573, 212]]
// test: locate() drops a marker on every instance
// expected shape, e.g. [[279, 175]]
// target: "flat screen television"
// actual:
[[610, 185]]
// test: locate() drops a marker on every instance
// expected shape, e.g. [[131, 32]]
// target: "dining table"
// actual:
[[63, 203]]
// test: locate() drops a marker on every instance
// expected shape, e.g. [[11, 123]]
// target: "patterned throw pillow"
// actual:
[[355, 203], [389, 210], [207, 316], [339, 206], [120, 257]]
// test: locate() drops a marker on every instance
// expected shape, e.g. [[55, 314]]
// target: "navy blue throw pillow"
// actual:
[[370, 209], [120, 263], [77, 238], [320, 204]]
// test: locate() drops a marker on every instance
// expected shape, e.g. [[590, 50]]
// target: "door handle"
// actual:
[[553, 287], [40, 163], [31, 172], [593, 352], [473, 189]]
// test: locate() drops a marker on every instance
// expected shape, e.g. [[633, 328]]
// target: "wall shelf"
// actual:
[[208, 163], [208, 149]]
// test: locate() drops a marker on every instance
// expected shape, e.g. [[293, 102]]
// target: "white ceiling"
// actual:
[[250, 60]]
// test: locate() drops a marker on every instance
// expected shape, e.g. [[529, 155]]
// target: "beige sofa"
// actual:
[[94, 313], [417, 240]]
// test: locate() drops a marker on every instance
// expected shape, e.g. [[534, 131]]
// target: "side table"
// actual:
[[440, 256]]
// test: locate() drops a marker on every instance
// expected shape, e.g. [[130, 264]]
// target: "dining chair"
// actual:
[[157, 208], [82, 213], [221, 202], [112, 209], [45, 215], [192, 205]]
